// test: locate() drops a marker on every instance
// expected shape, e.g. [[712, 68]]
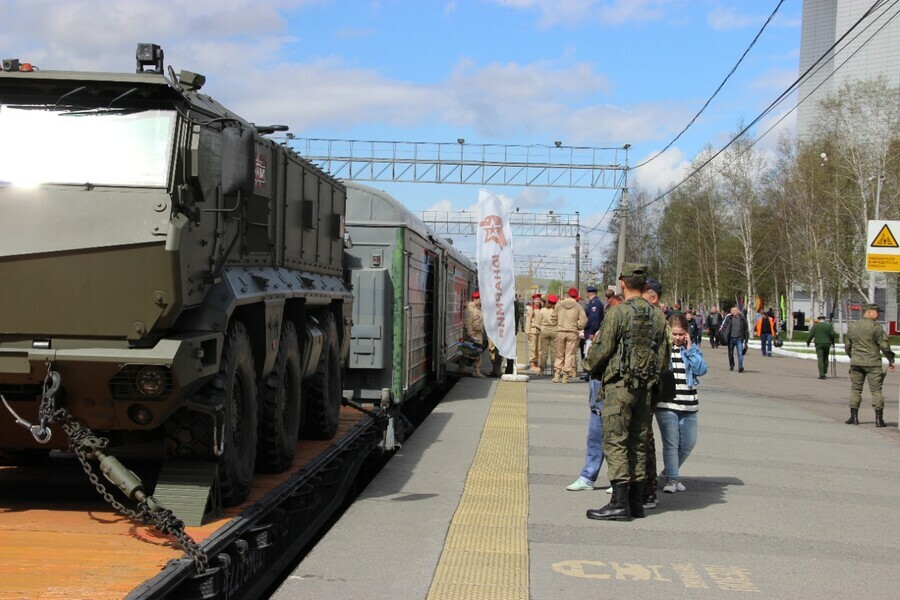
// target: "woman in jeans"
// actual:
[[677, 416]]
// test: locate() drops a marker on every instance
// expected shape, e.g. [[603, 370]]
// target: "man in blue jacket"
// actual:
[[594, 310]]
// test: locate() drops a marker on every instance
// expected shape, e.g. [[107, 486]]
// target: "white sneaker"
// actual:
[[609, 490], [671, 487], [679, 486], [579, 485]]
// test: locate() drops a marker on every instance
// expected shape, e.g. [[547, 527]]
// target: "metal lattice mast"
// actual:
[[483, 164]]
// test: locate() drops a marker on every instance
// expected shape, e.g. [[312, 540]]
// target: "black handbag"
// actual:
[[777, 342], [665, 388]]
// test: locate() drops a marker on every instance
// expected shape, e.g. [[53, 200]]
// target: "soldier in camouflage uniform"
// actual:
[[822, 333], [626, 389], [866, 342]]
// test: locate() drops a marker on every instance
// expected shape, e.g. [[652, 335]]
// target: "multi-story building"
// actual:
[[872, 49]]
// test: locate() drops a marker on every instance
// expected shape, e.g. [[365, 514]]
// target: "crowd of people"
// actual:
[[643, 358]]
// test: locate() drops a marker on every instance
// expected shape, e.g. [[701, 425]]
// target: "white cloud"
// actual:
[[663, 171], [725, 19], [102, 34], [773, 79], [621, 11], [441, 206], [617, 125], [581, 13], [776, 125]]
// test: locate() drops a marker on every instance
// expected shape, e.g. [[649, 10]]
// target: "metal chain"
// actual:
[[80, 438]]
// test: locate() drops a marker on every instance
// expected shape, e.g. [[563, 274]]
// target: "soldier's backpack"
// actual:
[[638, 361]]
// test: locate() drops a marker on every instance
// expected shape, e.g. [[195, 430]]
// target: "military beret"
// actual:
[[552, 298], [630, 269], [655, 285], [536, 296], [591, 289], [872, 307], [476, 295]]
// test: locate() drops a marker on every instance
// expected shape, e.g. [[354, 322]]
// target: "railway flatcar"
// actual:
[[171, 277], [410, 287]]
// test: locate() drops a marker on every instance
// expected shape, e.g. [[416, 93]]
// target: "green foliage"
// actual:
[[753, 222]]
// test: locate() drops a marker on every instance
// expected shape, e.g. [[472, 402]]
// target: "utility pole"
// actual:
[[578, 262], [623, 218]]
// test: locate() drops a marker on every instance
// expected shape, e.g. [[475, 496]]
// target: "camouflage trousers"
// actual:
[[858, 376], [626, 413], [651, 486]]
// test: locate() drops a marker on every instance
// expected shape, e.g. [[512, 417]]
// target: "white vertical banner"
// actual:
[[496, 277]]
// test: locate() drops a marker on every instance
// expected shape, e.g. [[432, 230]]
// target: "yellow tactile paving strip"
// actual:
[[486, 551]]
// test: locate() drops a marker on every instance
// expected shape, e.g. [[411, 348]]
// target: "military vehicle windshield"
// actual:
[[46, 144]]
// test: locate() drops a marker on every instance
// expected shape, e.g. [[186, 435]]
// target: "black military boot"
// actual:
[[879, 418], [854, 417], [617, 509], [636, 499]]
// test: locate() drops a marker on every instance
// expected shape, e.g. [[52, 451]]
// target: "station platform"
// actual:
[[783, 500]]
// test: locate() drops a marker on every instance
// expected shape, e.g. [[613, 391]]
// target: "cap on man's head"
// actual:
[[872, 307], [476, 295], [536, 295], [552, 298], [573, 293], [655, 285], [630, 269], [591, 289]]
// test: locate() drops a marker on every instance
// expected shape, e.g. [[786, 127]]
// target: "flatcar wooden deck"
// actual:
[[58, 539]]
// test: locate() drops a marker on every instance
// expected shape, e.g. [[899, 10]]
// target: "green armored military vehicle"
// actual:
[[178, 274]]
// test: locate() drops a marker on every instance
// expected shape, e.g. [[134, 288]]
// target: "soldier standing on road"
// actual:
[[631, 348], [520, 314], [866, 342], [822, 333], [473, 328], [652, 294]]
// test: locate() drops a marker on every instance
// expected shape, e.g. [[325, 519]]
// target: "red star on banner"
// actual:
[[493, 230]]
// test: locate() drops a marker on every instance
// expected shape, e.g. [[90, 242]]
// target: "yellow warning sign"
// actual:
[[882, 249], [885, 239], [883, 262]]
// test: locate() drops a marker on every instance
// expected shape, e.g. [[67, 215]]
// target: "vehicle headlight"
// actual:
[[151, 381]]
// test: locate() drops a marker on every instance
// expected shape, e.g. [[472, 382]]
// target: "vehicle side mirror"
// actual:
[[238, 160]]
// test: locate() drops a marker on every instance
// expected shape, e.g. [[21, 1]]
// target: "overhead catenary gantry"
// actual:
[[549, 166]]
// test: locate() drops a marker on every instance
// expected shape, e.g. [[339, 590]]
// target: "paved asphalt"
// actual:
[[783, 499]]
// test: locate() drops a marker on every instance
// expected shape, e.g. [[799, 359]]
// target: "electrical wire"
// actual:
[[774, 103], [813, 91], [718, 89]]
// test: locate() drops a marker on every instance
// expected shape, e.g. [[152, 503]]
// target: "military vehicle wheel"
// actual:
[[235, 388], [322, 400], [279, 407]]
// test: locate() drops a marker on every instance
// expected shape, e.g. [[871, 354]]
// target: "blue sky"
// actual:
[[600, 73]]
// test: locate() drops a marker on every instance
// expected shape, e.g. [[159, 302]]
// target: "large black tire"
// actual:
[[322, 398], [279, 407], [235, 388]]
